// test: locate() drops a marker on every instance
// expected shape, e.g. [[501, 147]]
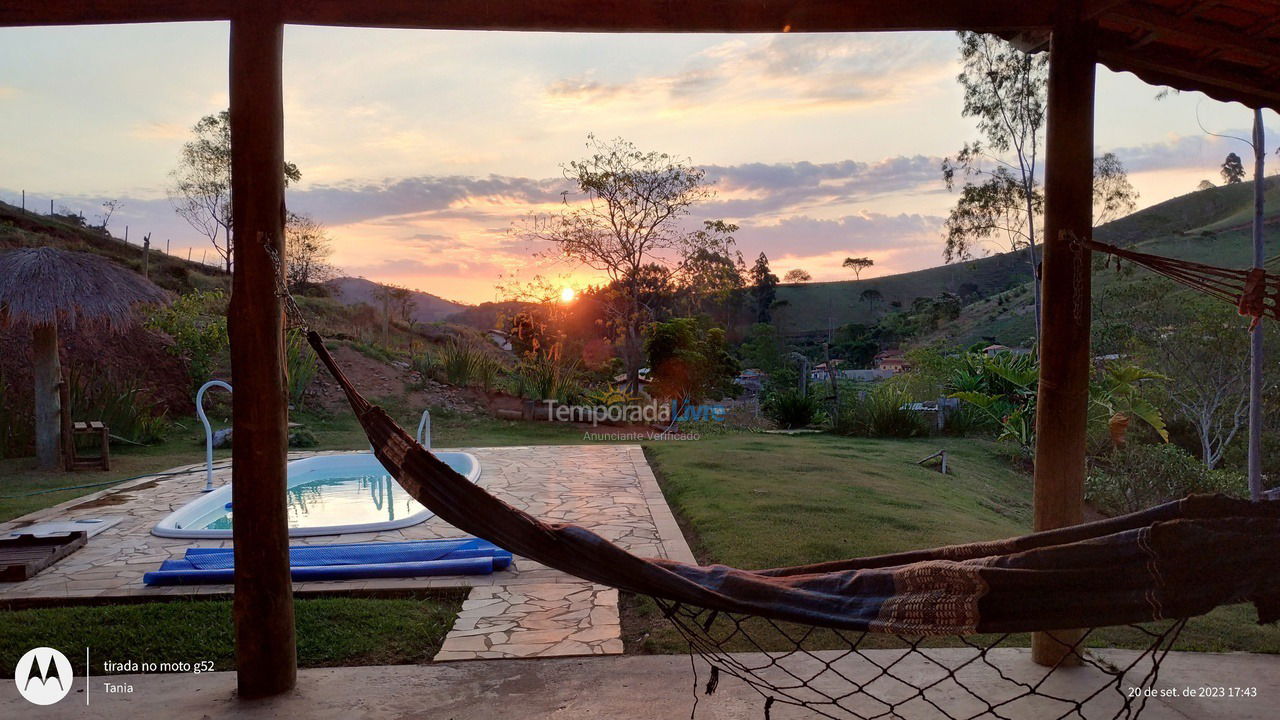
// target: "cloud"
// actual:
[[451, 234], [757, 188], [778, 74], [1179, 152], [343, 204], [850, 234]]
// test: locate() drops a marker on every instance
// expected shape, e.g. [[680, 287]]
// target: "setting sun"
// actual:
[[567, 295]]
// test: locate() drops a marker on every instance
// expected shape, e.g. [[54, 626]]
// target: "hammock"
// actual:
[[1150, 570], [1170, 562]]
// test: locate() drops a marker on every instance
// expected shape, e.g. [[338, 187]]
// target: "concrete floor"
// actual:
[[614, 688]]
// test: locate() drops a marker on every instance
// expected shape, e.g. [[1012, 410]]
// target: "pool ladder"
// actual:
[[423, 437], [208, 431]]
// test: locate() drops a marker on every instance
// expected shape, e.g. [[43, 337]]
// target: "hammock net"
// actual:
[[955, 612]]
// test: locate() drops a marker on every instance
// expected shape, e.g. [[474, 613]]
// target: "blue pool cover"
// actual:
[[464, 556]]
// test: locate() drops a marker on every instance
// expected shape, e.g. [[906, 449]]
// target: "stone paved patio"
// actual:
[[526, 610]]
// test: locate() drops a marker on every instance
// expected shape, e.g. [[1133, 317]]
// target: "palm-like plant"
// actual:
[[1115, 397]]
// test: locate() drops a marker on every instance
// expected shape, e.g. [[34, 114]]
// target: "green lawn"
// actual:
[[757, 501], [332, 631]]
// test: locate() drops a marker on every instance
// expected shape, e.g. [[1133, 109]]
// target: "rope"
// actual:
[[856, 679], [1255, 292]]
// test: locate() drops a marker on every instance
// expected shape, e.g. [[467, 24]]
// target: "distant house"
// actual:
[[751, 381], [821, 374], [994, 350], [892, 360], [644, 377]]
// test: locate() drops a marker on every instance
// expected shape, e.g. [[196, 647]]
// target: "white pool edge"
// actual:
[[168, 527]]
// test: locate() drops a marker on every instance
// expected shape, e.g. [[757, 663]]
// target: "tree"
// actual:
[[109, 208], [201, 189], [797, 276], [398, 305], [711, 270], [1233, 169], [857, 265], [307, 251], [1001, 199], [764, 289], [871, 297], [1208, 390], [690, 361], [628, 216], [1113, 194], [1206, 185]]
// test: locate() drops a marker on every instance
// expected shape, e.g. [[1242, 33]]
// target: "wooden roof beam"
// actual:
[[1167, 24], [110, 12], [569, 15], [1252, 89]]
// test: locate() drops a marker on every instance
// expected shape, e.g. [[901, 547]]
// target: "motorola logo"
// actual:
[[43, 676]]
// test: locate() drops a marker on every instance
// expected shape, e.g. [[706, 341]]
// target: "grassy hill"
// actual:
[[426, 307], [1211, 226], [20, 229]]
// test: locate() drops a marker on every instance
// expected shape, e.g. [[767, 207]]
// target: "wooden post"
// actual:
[[47, 374], [266, 658], [146, 256], [68, 440], [1064, 347], [1257, 354]]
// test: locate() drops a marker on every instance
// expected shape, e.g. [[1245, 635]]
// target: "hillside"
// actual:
[[1208, 225], [1212, 226], [20, 229], [427, 308]]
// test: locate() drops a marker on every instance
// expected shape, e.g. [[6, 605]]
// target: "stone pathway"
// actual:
[[526, 610], [517, 621]]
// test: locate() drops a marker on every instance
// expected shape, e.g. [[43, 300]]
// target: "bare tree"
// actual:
[[109, 208], [797, 276]]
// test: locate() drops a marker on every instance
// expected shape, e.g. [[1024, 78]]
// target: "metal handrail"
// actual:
[[424, 430], [208, 431]]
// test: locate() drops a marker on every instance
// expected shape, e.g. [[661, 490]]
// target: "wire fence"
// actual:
[[50, 208]]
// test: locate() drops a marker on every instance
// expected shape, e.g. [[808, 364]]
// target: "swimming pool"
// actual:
[[328, 495]]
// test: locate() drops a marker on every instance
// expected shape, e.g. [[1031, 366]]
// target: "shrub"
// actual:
[[126, 409], [541, 378], [301, 365], [1135, 477], [197, 322], [880, 412], [791, 408], [459, 364]]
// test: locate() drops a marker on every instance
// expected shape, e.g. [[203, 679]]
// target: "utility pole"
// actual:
[[1255, 333]]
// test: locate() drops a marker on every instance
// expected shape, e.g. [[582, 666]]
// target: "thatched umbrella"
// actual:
[[44, 287]]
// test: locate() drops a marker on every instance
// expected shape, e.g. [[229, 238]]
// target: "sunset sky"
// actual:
[[420, 149]]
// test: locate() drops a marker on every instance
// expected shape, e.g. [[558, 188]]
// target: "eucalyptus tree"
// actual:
[[1001, 200], [201, 183]]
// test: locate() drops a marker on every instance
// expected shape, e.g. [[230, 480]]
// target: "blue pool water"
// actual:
[[327, 495]]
